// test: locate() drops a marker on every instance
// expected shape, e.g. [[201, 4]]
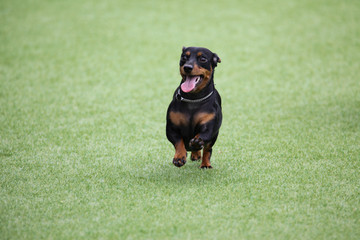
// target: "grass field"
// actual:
[[84, 88]]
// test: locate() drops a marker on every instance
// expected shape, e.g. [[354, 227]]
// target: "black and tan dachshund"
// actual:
[[194, 115]]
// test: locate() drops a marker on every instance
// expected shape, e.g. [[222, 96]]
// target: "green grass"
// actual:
[[84, 88]]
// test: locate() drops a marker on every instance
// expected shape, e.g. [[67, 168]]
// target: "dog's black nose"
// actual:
[[188, 68]]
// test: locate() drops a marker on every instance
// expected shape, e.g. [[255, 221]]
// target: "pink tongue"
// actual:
[[189, 84]]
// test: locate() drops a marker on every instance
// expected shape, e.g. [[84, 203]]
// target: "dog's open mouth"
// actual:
[[190, 83]]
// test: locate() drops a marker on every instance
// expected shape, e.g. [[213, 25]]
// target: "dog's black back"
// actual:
[[194, 116]]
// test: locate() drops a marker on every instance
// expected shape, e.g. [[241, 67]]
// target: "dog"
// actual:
[[194, 115]]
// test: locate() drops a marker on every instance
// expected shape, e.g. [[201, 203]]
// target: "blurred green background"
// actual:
[[84, 88]]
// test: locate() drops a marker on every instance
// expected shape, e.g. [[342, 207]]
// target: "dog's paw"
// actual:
[[196, 155], [206, 167], [196, 143], [179, 162]]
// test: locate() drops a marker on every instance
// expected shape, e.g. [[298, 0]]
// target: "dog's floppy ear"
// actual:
[[183, 49], [215, 59]]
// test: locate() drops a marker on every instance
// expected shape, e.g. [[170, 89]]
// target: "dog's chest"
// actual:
[[190, 119]]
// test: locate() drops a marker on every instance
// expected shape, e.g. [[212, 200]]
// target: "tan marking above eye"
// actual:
[[203, 117], [199, 54], [187, 53], [178, 118]]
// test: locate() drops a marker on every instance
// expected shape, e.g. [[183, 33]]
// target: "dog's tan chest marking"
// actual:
[[178, 118], [203, 117]]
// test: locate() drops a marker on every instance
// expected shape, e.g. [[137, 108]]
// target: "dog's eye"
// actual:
[[202, 59], [184, 57]]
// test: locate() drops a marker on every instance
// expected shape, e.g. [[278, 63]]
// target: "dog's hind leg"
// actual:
[[196, 155], [206, 158]]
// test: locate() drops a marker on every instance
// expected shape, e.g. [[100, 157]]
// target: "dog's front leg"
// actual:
[[175, 138], [180, 154], [202, 139]]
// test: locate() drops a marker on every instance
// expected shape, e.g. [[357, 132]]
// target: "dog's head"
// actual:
[[197, 68]]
